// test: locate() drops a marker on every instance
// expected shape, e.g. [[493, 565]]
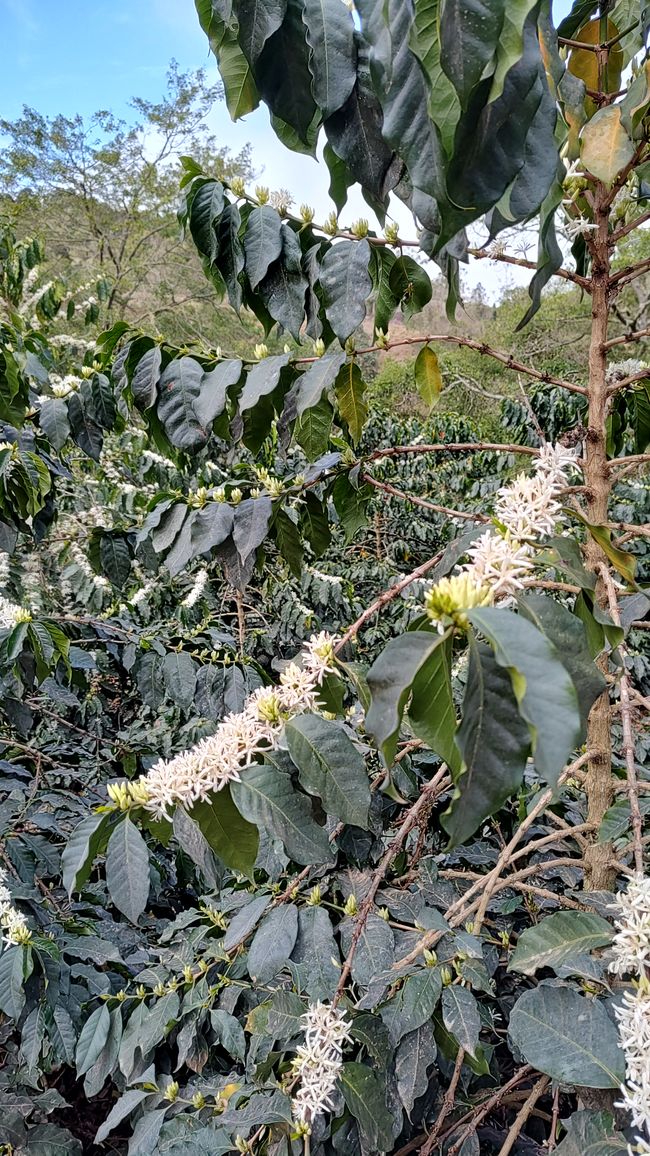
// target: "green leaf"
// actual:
[[87, 841], [350, 503], [85, 430], [443, 103], [543, 687], [350, 389], [179, 673], [390, 679], [316, 953], [330, 766], [180, 386], [91, 1041], [375, 948], [617, 823], [461, 1017], [569, 1037], [557, 938], [273, 943], [469, 36], [565, 554], [266, 797], [287, 536], [621, 560], [315, 524], [568, 635], [641, 416], [431, 711], [145, 377], [262, 242], [283, 287], [53, 420], [413, 1005], [312, 430], [207, 206], [122, 1108], [213, 390], [31, 1037], [413, 1058], [365, 1097], [127, 870], [243, 922], [310, 386], [346, 285], [493, 740], [251, 525], [428, 377], [103, 401], [146, 1132], [385, 300], [592, 1134], [15, 968], [605, 147], [258, 20], [232, 839], [284, 79], [332, 60], [115, 558], [410, 284], [229, 1032]]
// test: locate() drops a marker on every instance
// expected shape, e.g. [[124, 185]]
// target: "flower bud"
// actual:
[[261, 351], [171, 1092], [351, 905], [315, 896], [307, 214], [384, 913], [238, 187], [391, 233], [198, 1100], [430, 957], [331, 225], [262, 194], [319, 347], [236, 496], [446, 976]]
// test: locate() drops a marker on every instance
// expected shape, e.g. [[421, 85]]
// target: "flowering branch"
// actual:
[[495, 254]]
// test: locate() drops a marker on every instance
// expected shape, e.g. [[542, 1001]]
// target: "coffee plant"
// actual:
[[324, 768]]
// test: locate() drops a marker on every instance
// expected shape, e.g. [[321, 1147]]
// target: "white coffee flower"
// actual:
[[240, 739], [499, 562], [319, 1060], [197, 590], [13, 925], [632, 940], [11, 614], [527, 507]]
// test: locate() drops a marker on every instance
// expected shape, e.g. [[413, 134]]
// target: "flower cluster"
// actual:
[[196, 593], [13, 925], [318, 1061], [11, 614], [632, 957], [526, 510], [239, 738]]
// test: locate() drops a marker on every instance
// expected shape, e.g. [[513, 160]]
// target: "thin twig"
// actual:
[[628, 733], [388, 489], [447, 1105], [523, 1114]]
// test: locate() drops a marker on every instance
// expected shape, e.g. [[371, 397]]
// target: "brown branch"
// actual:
[[447, 1105], [388, 489], [629, 273], [628, 733], [439, 783], [630, 460], [625, 229], [635, 335], [523, 1114], [476, 1116], [631, 380], [565, 274], [387, 597], [452, 447]]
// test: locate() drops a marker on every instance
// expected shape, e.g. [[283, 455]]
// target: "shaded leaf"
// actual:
[[557, 938], [330, 766], [569, 1037]]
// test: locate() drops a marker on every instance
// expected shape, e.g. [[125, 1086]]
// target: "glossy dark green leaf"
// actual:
[[557, 938], [115, 558], [332, 60], [309, 388], [283, 76], [413, 1005], [261, 380], [330, 766], [244, 921], [414, 1056], [287, 536], [365, 1096], [86, 842], [127, 870], [316, 953], [92, 1039], [179, 672], [267, 798], [346, 285], [213, 390], [251, 523], [53, 420], [232, 839], [350, 391], [493, 740], [569, 638], [283, 287], [85, 430], [390, 680], [207, 206], [431, 711], [543, 687], [592, 1133], [230, 257], [14, 970], [258, 20], [410, 285], [179, 387], [567, 1036], [262, 242], [461, 1017], [312, 430], [273, 943]]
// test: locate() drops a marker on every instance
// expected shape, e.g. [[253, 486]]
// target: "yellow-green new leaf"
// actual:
[[605, 145], [428, 377]]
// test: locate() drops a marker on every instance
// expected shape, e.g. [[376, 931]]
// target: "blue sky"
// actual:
[[74, 56]]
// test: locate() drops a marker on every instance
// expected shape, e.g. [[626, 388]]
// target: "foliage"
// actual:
[[216, 824]]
